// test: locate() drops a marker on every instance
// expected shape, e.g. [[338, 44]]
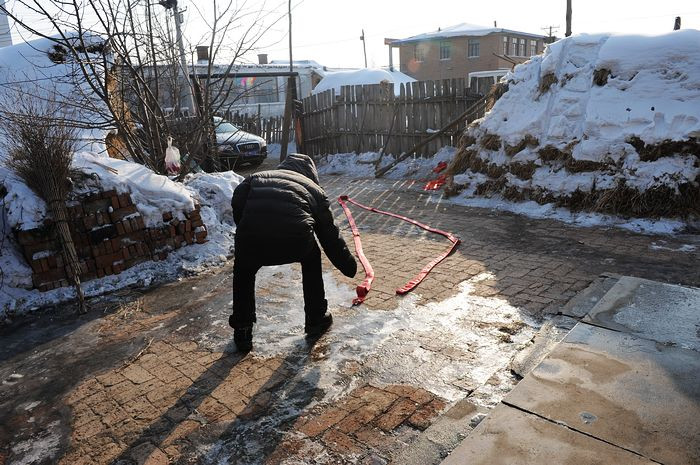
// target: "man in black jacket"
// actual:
[[277, 213]]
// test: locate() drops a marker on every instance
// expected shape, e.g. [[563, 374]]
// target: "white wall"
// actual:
[[5, 38]]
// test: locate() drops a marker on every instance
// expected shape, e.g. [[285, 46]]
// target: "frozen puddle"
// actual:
[[449, 348]]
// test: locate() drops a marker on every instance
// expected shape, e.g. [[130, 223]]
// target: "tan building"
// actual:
[[457, 51]]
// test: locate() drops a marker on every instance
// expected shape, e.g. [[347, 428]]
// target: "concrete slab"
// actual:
[[662, 312], [635, 393], [584, 301], [442, 436], [546, 339], [509, 436]]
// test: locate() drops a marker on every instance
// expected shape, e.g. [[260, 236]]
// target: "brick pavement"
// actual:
[[158, 390], [536, 264]]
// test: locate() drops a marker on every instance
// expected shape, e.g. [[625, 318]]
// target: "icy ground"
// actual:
[[449, 348]]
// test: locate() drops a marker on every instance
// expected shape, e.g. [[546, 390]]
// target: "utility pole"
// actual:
[[550, 30], [568, 18], [289, 10], [388, 42], [186, 90], [287, 120], [364, 46]]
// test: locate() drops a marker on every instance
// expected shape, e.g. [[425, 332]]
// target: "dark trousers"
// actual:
[[253, 253]]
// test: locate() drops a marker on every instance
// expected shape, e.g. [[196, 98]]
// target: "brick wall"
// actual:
[[109, 235], [459, 65]]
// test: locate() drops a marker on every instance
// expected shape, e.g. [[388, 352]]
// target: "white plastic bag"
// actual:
[[172, 158]]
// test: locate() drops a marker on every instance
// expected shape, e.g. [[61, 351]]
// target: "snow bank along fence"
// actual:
[[110, 236], [361, 118], [601, 123]]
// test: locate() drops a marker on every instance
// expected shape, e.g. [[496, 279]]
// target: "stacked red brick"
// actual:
[[109, 235]]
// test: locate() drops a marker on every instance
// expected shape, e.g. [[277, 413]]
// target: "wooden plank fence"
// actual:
[[361, 117], [269, 129]]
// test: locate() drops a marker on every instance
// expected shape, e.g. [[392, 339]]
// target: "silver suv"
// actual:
[[237, 147]]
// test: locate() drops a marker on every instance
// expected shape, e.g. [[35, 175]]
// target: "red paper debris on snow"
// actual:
[[436, 184], [440, 167]]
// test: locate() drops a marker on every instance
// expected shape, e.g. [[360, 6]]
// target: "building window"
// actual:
[[514, 46], [445, 51], [419, 52], [505, 45], [521, 48], [533, 47], [473, 48]]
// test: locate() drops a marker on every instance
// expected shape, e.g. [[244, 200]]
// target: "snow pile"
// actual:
[[23, 209], [215, 190], [43, 71], [363, 165], [358, 77], [600, 122], [152, 194]]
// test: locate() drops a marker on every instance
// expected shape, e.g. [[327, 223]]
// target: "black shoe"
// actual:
[[314, 329], [243, 337]]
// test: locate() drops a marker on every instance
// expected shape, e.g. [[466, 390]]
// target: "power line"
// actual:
[[550, 30]]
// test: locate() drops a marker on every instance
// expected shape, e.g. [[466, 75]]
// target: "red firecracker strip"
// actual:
[[435, 184], [440, 181], [364, 288]]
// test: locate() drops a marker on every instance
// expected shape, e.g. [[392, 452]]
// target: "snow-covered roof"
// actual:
[[298, 63], [334, 80], [273, 68], [489, 73], [463, 29]]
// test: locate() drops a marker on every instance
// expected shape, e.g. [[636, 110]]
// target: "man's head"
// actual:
[[302, 164]]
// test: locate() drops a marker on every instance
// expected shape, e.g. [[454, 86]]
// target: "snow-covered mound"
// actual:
[[215, 190], [152, 195], [335, 80], [42, 70], [599, 122]]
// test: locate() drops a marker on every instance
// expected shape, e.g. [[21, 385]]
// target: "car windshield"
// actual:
[[223, 127]]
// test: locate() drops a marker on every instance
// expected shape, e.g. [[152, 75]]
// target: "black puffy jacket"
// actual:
[[289, 203]]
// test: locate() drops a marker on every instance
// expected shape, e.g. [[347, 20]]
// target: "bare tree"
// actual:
[[124, 55]]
